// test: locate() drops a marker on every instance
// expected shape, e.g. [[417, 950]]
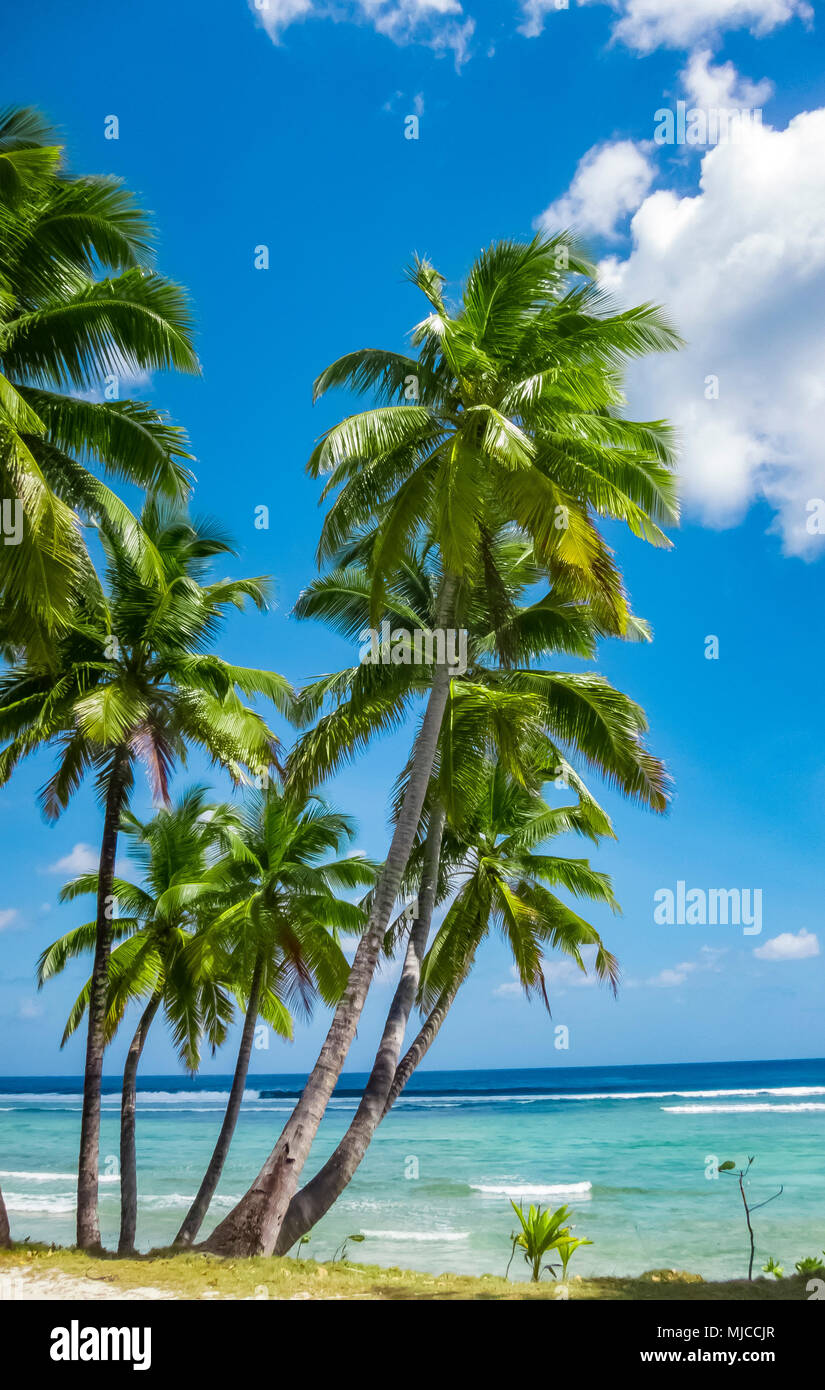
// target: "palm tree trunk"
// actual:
[[194, 1217], [421, 1045], [88, 1221], [323, 1190], [253, 1226], [5, 1230], [128, 1156], [306, 1210]]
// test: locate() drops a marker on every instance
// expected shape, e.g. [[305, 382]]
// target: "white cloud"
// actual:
[[438, 24], [740, 268], [276, 15], [534, 12], [677, 975], [720, 85], [666, 979], [648, 24], [8, 916], [789, 946], [81, 860], [559, 974], [610, 181], [28, 1009]]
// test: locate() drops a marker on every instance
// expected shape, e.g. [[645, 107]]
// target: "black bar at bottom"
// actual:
[[56, 1340]]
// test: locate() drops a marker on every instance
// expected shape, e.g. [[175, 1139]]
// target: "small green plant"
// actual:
[[741, 1173], [773, 1268], [810, 1264], [341, 1252], [567, 1247], [543, 1231], [301, 1243]]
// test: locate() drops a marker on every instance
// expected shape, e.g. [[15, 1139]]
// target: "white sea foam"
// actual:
[[180, 1199], [204, 1102], [197, 1096], [176, 1097], [462, 1098], [55, 1204], [27, 1176], [537, 1190], [758, 1108], [62, 1203]]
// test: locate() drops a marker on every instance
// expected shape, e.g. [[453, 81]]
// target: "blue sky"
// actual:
[[240, 128]]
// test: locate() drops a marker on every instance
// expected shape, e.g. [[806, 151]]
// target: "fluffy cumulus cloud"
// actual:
[[439, 24], [641, 25], [671, 977], [789, 945], [534, 13], [740, 267], [610, 181], [719, 85], [559, 974], [8, 917], [82, 859], [647, 24], [276, 15]]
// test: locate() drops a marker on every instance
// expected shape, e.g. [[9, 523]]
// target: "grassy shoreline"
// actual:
[[195, 1276]]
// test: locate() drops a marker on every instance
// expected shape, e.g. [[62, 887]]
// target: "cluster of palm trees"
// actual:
[[467, 497]]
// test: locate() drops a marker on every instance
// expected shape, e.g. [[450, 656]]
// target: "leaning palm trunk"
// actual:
[[5, 1230], [88, 1221], [323, 1190], [128, 1155], [421, 1045], [253, 1226], [194, 1217]]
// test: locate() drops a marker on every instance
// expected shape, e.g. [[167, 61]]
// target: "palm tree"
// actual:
[[602, 723], [131, 681], [590, 719], [79, 303], [506, 881], [490, 862], [586, 818], [517, 420], [151, 963], [283, 892]]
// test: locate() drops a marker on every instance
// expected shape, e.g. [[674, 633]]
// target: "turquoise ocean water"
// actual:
[[628, 1148]]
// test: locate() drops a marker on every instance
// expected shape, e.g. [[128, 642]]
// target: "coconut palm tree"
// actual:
[[510, 413], [602, 723], [133, 681], [589, 720], [81, 310], [151, 964], [506, 881], [280, 929]]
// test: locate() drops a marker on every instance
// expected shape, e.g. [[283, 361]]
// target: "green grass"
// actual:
[[193, 1275]]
